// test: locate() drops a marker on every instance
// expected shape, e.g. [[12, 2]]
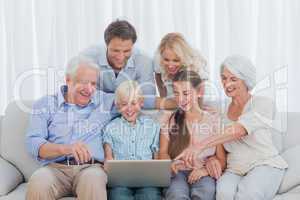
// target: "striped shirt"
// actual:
[[132, 142]]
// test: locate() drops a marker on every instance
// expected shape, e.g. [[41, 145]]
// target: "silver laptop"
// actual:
[[138, 173]]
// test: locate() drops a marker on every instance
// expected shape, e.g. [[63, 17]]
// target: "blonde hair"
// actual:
[[128, 89], [189, 57]]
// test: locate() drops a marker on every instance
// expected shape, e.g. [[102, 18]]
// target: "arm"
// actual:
[[231, 133], [163, 147], [165, 103], [160, 85], [221, 156], [108, 152]]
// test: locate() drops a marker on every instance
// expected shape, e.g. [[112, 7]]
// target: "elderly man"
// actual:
[[65, 136], [119, 60]]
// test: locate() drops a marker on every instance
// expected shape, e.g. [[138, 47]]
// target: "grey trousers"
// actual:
[[180, 189], [57, 180], [261, 183]]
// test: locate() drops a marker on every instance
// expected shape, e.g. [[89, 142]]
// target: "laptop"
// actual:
[[138, 173]]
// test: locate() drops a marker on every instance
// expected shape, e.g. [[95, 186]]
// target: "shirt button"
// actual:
[[132, 141]]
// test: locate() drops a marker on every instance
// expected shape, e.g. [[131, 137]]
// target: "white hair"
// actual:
[[78, 61], [129, 89], [242, 68]]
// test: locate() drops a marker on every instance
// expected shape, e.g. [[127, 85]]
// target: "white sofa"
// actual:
[[16, 166]]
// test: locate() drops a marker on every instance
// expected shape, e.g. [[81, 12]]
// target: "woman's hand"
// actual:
[[196, 174], [213, 167], [189, 155]]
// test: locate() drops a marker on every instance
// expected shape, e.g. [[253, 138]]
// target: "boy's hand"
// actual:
[[196, 174]]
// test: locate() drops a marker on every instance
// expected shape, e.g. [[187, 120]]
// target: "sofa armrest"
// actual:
[[291, 178], [10, 177]]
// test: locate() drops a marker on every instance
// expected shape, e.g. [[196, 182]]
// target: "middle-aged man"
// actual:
[[65, 136], [119, 60]]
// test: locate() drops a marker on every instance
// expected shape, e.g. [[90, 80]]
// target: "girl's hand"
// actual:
[[196, 174], [213, 167], [176, 166]]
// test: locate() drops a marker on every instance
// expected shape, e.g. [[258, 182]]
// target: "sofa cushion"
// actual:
[[20, 193], [292, 176], [14, 129], [10, 177]]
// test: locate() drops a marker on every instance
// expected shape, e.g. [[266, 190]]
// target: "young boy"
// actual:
[[131, 137]]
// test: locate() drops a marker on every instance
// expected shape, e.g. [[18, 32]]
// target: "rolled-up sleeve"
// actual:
[[107, 139], [37, 131], [155, 144], [145, 78]]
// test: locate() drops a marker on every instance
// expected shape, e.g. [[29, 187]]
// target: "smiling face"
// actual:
[[82, 87], [130, 107], [186, 96], [233, 86], [118, 52], [170, 61]]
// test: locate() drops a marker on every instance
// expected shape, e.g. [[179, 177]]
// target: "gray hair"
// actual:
[[242, 68], [77, 61]]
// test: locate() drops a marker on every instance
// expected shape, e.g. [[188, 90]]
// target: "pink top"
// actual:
[[199, 129]]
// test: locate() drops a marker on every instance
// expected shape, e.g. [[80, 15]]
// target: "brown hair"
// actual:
[[179, 133], [121, 29]]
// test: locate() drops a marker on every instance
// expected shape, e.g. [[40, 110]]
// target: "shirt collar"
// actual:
[[103, 61], [64, 89], [138, 121]]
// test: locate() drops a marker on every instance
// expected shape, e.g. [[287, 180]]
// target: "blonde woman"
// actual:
[[173, 54]]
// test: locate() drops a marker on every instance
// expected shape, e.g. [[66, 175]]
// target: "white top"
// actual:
[[257, 147]]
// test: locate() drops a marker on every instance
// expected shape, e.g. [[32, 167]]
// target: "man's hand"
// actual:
[[213, 167], [80, 151]]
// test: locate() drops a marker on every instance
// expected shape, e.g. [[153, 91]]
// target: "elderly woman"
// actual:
[[254, 166]]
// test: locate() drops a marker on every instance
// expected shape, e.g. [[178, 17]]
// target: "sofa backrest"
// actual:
[[292, 135], [1, 118], [15, 122], [13, 148]]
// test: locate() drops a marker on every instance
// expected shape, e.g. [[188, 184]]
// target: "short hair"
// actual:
[[78, 61], [120, 29], [242, 67], [129, 89]]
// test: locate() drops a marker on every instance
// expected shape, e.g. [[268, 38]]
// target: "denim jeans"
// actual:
[[261, 183], [180, 189], [143, 193]]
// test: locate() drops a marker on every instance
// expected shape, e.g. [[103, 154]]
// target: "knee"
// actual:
[[223, 193], [94, 176], [205, 189], [151, 192], [176, 193], [37, 183], [250, 194]]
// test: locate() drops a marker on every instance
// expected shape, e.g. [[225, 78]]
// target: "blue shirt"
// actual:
[[132, 142], [138, 68], [56, 121]]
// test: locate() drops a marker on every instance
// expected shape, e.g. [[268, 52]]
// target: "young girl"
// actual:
[[188, 125]]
